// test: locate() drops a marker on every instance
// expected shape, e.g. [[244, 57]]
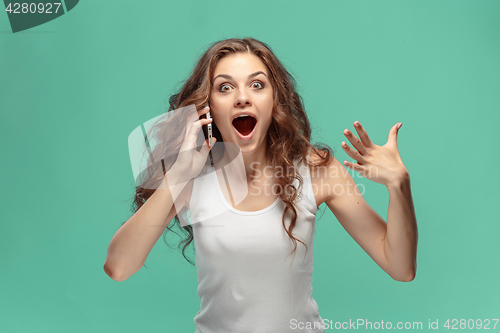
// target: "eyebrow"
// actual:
[[229, 77]]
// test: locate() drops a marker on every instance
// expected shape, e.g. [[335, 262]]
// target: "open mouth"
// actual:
[[244, 124]]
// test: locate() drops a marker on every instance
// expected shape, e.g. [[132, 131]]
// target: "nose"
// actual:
[[242, 100]]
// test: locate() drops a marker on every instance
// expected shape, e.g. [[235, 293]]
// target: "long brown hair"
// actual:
[[288, 137]]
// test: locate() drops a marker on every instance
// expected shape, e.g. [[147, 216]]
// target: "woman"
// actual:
[[247, 281]]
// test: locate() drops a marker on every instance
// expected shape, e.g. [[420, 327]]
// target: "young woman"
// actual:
[[247, 280]]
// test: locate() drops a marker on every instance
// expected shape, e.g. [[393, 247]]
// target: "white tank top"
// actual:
[[246, 282]]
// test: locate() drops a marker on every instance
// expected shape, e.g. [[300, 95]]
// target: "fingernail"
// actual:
[[399, 126]]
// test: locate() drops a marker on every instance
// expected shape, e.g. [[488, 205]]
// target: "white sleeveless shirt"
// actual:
[[247, 281]]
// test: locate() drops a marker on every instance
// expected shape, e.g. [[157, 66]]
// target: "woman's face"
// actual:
[[242, 86]]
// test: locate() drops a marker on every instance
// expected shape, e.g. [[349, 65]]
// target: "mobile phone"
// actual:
[[209, 128], [207, 131]]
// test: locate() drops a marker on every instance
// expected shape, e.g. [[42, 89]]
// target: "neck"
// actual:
[[255, 162]]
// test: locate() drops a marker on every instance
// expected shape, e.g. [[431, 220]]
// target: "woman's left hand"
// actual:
[[382, 164]]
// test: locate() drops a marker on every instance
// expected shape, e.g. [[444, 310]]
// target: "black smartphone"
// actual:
[[207, 129]]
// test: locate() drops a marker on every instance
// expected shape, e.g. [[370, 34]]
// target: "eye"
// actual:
[[222, 86], [259, 83], [256, 84]]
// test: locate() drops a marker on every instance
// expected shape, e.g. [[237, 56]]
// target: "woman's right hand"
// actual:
[[190, 162]]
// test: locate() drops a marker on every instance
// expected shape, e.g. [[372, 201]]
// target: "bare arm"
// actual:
[[393, 245], [131, 244], [360, 220], [400, 245]]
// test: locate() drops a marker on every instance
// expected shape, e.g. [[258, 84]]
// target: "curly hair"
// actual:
[[288, 137]]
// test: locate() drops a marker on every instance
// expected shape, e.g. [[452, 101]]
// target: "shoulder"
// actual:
[[320, 160], [326, 174]]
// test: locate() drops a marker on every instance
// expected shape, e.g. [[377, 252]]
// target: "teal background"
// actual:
[[73, 89]]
